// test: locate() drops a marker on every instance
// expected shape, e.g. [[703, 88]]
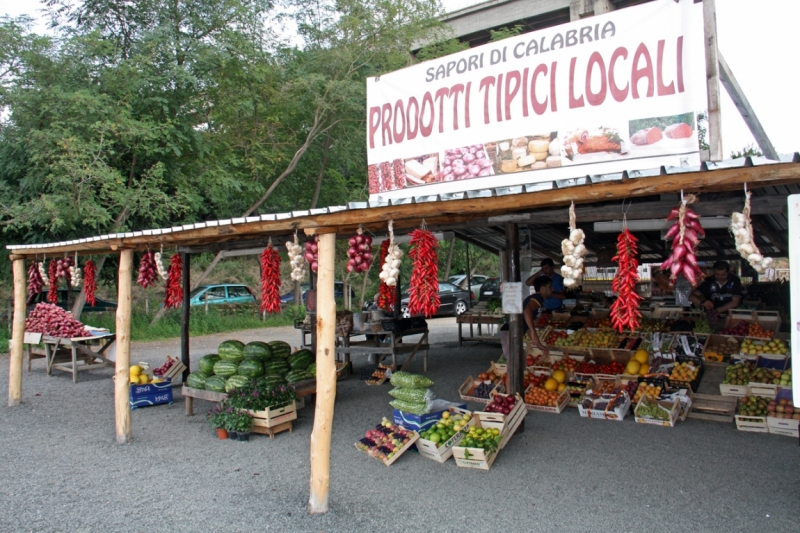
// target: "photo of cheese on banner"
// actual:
[[530, 152]]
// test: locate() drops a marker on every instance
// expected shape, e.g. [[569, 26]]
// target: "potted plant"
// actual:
[[241, 423], [218, 418]]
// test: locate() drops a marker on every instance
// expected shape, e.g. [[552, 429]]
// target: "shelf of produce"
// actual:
[[561, 403], [714, 408]]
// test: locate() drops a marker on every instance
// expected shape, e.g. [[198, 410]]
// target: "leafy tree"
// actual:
[[751, 150], [504, 33]]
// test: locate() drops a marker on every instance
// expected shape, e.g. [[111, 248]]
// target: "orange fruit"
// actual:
[[551, 384]]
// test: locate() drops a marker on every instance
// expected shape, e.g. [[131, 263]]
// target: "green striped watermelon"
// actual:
[[197, 380], [215, 384], [277, 366], [225, 368], [207, 363], [312, 369], [272, 380], [300, 359], [280, 349], [251, 368], [234, 382], [298, 375], [231, 350], [258, 350]]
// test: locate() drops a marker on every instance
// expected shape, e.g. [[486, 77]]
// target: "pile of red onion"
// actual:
[[501, 404], [359, 255], [51, 320]]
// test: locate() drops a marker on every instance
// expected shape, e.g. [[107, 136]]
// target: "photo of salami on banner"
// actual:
[[619, 91]]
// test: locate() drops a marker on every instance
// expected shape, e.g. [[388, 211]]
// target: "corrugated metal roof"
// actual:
[[545, 237]]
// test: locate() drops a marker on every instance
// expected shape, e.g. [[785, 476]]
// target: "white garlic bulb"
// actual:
[[160, 266]]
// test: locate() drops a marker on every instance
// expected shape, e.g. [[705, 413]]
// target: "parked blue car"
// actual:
[[338, 292], [223, 293]]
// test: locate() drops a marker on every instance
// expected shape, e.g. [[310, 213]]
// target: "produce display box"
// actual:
[[695, 383], [737, 391], [563, 401], [576, 390], [174, 371], [784, 426], [686, 400], [273, 417], [499, 420], [712, 407], [423, 422], [151, 394], [604, 414], [443, 452], [474, 457], [767, 390], [721, 347], [413, 438], [755, 424], [769, 320], [499, 369], [511, 426], [468, 387], [671, 407]]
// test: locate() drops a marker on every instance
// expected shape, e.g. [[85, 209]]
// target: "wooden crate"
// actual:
[[737, 391], [783, 426], [443, 452], [754, 424], [563, 401], [466, 389], [739, 315], [713, 407], [767, 390], [672, 408], [511, 426], [770, 320], [413, 438], [175, 371], [499, 420], [473, 457], [274, 416]]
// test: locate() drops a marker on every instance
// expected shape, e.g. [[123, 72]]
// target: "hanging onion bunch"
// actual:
[[359, 255], [390, 270], [90, 283], [742, 230], [312, 252], [63, 270], [574, 251], [296, 259], [147, 270], [43, 273], [685, 234], [35, 282], [160, 266]]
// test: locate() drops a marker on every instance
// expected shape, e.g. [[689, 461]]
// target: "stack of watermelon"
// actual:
[[235, 364]]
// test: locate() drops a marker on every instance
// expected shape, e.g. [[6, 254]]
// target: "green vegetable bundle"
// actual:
[[412, 395], [407, 380], [415, 408]]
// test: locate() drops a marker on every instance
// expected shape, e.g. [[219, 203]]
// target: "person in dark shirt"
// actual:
[[557, 295], [720, 292], [532, 307]]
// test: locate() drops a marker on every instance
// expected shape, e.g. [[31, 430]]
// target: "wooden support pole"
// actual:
[[122, 406], [17, 335], [469, 276], [326, 377], [712, 81], [516, 356], [186, 281], [449, 259]]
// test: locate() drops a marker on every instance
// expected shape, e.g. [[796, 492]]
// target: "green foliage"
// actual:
[[505, 33], [751, 150], [702, 130], [661, 122], [441, 49]]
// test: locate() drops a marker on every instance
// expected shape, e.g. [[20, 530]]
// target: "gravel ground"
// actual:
[[63, 472]]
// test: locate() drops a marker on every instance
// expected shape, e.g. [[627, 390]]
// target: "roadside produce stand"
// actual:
[[556, 183]]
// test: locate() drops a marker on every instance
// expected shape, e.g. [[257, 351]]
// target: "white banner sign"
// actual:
[[793, 214], [609, 93]]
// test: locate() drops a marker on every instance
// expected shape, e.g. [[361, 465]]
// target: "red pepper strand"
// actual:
[[270, 280], [174, 297], [52, 274], [424, 288], [90, 281], [386, 294], [625, 310]]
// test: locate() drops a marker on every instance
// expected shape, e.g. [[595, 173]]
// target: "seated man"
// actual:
[[720, 292]]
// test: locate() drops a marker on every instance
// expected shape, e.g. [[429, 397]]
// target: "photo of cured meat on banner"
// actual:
[[591, 145], [657, 135]]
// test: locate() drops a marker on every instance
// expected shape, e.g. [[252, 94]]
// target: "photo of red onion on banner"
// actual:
[[742, 231], [174, 295], [270, 280], [685, 233], [90, 281], [423, 290], [390, 258], [625, 309]]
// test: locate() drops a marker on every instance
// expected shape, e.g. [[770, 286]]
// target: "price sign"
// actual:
[[512, 298]]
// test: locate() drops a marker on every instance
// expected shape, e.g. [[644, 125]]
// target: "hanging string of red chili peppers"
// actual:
[[424, 287], [270, 280], [35, 281], [386, 294], [174, 297], [52, 274], [625, 309], [90, 281]]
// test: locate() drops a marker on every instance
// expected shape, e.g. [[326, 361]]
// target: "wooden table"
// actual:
[[80, 350], [481, 320], [394, 347]]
